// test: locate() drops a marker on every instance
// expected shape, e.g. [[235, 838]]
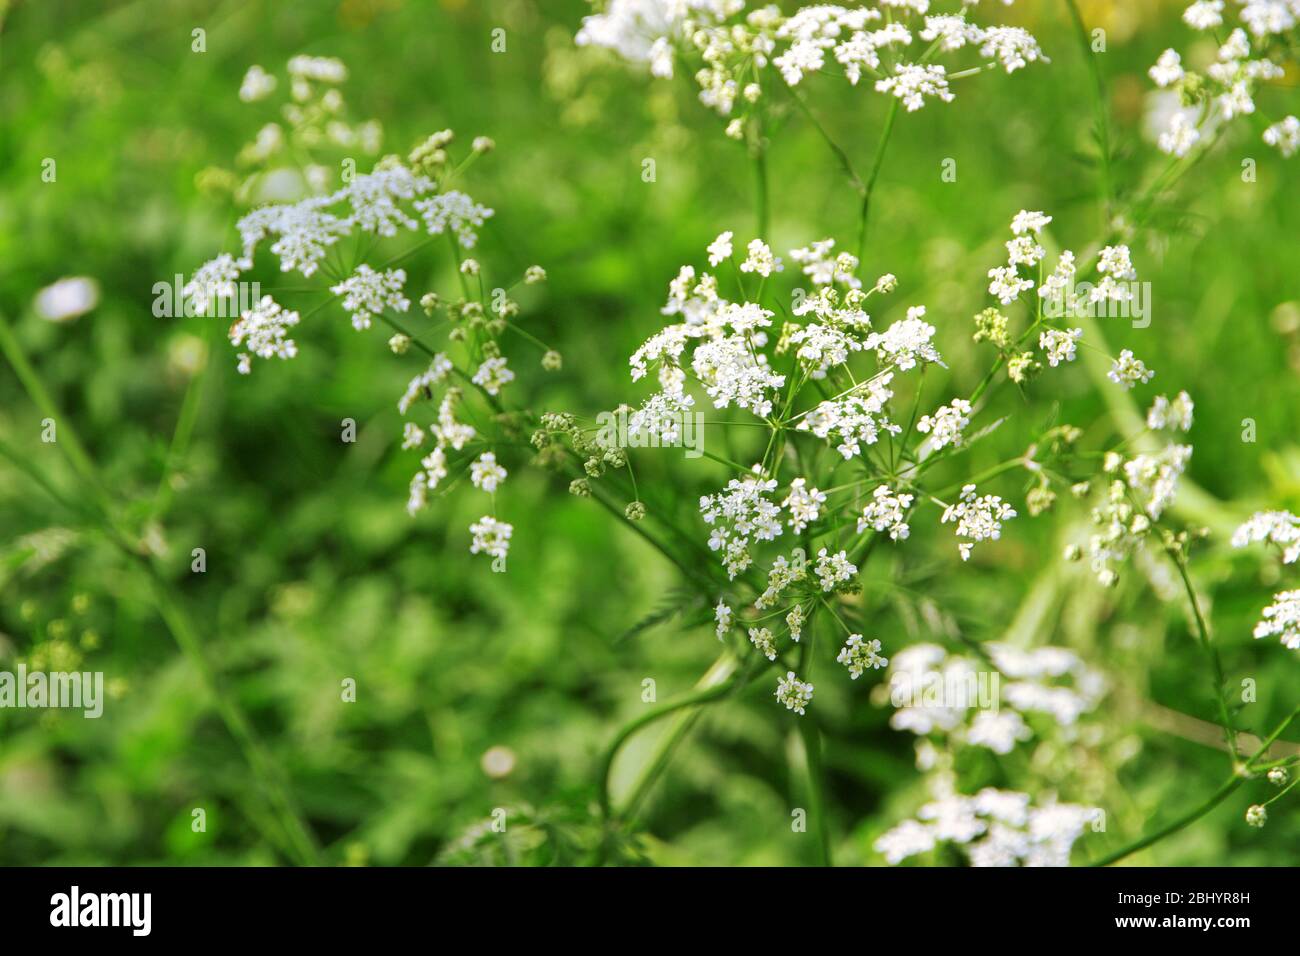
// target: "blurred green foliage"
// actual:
[[316, 574]]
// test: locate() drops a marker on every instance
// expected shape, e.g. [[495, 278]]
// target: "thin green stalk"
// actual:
[[1225, 790], [1212, 652], [876, 163]]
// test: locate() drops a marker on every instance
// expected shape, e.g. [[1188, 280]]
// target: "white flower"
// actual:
[[833, 569], [422, 385], [998, 731], [761, 638], [760, 259], [1204, 14], [978, 518], [909, 838], [1277, 527], [1027, 221], [262, 330], [906, 341], [214, 280], [912, 82], [66, 299], [887, 512], [722, 614], [740, 514], [1180, 137], [1175, 415], [1129, 371], [435, 468], [455, 211], [946, 423], [1006, 284], [1168, 69], [1155, 477], [794, 693], [1059, 344], [859, 655], [804, 504], [366, 293], [412, 436], [1285, 135], [485, 473], [720, 248], [321, 69], [794, 620], [1256, 815], [305, 230], [1023, 251], [953, 32], [1014, 47], [492, 375], [257, 84], [375, 198], [855, 419], [491, 537]]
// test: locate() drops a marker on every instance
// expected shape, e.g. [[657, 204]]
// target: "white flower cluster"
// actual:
[[1228, 86], [263, 331], [945, 426], [859, 655], [978, 517], [739, 516], [887, 512], [1281, 619], [956, 697], [367, 293], [739, 50], [1280, 528], [992, 828]]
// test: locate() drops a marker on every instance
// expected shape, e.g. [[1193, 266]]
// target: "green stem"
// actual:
[[876, 163], [1099, 109]]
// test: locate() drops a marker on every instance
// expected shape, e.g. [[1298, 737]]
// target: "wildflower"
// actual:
[[761, 638], [1285, 135], [859, 655], [1168, 69], [422, 385], [493, 375], [722, 614], [795, 620], [435, 468], [1277, 527], [1181, 136], [491, 537], [906, 341], [1204, 14], [1175, 415], [720, 248], [1129, 371], [1277, 776], [455, 211], [635, 511], [1059, 344], [412, 436], [552, 361], [782, 574], [946, 424], [991, 326], [485, 473], [399, 343], [1155, 477], [469, 267], [483, 144], [739, 515], [833, 569], [1256, 815], [978, 518], [887, 512], [256, 85], [1026, 221], [912, 82], [1281, 619], [998, 732], [794, 693], [760, 259], [367, 293], [213, 281], [263, 331], [1006, 284], [804, 504], [580, 488], [909, 838], [534, 275], [855, 420], [1014, 47]]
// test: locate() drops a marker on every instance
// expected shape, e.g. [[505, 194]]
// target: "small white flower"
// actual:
[[1285, 135], [257, 84], [1168, 69], [912, 82], [1204, 14], [978, 518], [1175, 415], [794, 693], [887, 512], [804, 504], [485, 473], [367, 293], [492, 375], [833, 569], [263, 331], [1059, 344], [1281, 619], [1129, 370], [946, 424], [491, 537], [722, 614], [762, 639], [760, 259], [720, 248], [859, 655], [1277, 527]]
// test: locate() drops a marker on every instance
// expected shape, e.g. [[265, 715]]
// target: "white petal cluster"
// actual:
[[214, 280], [1129, 370], [367, 293], [740, 515], [913, 82], [1173, 415], [485, 473], [804, 504], [854, 420], [833, 569], [978, 518], [946, 424], [491, 537], [859, 655], [906, 342], [422, 385], [794, 693], [761, 638], [1281, 619], [1154, 478], [1059, 344], [1285, 135], [493, 375], [456, 212], [263, 330], [1280, 528], [887, 512]]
